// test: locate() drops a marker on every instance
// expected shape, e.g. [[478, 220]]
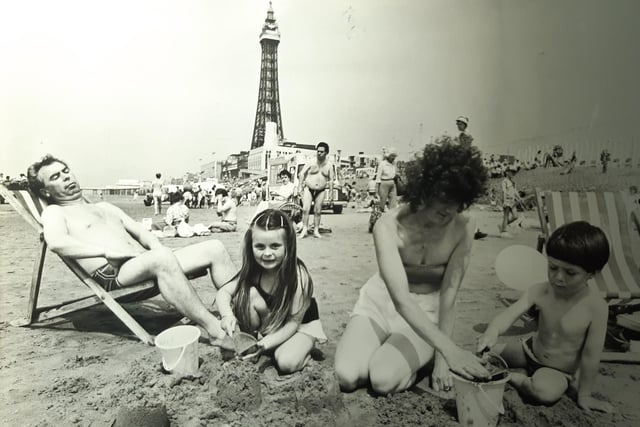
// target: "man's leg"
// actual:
[[210, 254], [317, 214], [163, 266], [306, 207]]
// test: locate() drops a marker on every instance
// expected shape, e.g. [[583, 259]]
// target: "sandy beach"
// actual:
[[83, 371]]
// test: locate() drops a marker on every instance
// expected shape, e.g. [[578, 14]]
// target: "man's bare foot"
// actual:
[[317, 235]]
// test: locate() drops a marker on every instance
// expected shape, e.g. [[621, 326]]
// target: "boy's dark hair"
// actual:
[[580, 243], [285, 172], [35, 185], [158, 175], [324, 145]]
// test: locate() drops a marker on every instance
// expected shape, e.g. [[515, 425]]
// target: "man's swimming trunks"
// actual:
[[315, 193], [107, 277]]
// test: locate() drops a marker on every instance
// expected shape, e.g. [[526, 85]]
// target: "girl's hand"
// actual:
[[486, 341], [464, 363], [255, 356], [588, 403], [441, 377], [228, 324]]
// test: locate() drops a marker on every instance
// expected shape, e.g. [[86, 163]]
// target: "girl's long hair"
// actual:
[[291, 273]]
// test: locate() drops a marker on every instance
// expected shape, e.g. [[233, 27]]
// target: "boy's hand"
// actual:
[[486, 341], [588, 403], [228, 324]]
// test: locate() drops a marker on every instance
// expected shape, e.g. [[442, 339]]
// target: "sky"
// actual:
[[125, 88]]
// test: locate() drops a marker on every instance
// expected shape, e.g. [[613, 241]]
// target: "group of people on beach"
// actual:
[[405, 313]]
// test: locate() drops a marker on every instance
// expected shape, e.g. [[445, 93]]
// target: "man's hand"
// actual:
[[117, 258], [589, 403]]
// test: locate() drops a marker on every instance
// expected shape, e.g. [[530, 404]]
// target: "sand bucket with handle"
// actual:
[[479, 403], [179, 347]]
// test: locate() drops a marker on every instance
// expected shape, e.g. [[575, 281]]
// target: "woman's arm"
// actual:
[[395, 277]]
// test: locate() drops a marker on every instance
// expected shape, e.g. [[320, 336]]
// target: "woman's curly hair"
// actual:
[[446, 171]]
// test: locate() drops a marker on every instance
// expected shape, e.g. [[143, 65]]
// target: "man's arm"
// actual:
[[302, 176], [135, 229], [331, 178], [57, 236]]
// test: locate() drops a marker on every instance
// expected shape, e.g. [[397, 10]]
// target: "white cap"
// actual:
[[463, 119]]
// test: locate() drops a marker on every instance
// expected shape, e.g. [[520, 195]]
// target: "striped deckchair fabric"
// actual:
[[30, 209], [620, 279]]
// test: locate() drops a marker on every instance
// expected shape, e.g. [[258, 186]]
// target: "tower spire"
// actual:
[[268, 109]]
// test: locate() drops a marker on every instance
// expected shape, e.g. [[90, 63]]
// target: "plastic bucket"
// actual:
[[179, 347], [479, 404]]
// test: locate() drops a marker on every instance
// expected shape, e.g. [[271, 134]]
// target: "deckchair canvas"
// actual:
[[619, 280], [29, 208]]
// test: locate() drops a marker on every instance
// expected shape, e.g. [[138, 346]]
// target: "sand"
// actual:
[[84, 371]]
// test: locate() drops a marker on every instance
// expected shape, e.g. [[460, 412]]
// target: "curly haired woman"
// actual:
[[405, 313]]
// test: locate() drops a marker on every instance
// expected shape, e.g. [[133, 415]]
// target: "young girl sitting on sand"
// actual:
[[272, 295]]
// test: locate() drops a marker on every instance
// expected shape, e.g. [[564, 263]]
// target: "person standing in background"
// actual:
[[156, 187]]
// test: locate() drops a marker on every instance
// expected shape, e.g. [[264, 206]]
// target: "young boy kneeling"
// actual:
[[572, 321]]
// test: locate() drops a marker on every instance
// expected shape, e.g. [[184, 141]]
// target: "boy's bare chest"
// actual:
[[564, 319]]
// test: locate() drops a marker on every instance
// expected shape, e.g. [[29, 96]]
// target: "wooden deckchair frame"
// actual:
[[35, 315], [619, 281]]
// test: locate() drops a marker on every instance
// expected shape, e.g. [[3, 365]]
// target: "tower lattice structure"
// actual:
[[268, 109]]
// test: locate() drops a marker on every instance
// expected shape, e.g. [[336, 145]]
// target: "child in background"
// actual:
[[272, 295], [226, 210], [509, 198], [567, 346], [176, 213]]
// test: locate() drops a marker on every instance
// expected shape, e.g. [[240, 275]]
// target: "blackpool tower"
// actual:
[[268, 109]]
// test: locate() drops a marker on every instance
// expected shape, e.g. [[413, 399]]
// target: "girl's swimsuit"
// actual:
[[310, 325]]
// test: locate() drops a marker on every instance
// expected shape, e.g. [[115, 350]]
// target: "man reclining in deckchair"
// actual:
[[117, 251]]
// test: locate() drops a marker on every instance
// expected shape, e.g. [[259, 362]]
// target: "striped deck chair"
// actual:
[[30, 208], [619, 280]]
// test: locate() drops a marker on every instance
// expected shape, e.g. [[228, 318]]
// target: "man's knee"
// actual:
[[215, 250], [163, 258]]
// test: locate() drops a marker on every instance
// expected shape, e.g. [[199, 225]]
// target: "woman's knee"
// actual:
[[349, 373], [388, 377]]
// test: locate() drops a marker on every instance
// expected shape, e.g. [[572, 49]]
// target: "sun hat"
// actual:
[[463, 119]]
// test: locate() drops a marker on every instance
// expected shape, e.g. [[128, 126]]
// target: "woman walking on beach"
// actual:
[[405, 313]]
